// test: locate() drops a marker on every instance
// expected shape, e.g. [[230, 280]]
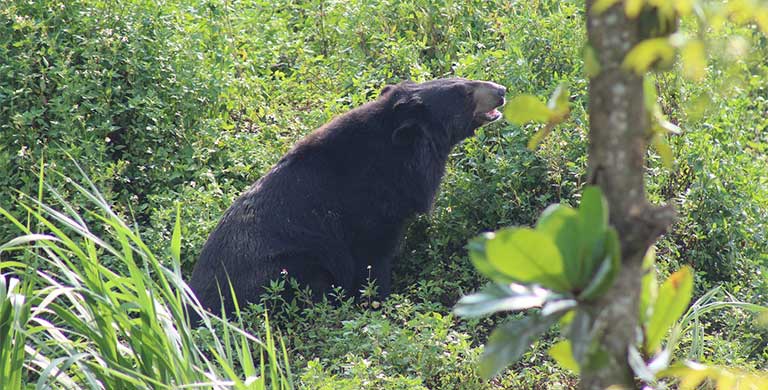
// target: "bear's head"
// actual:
[[450, 109]]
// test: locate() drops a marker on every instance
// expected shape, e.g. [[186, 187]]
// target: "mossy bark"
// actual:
[[618, 144]]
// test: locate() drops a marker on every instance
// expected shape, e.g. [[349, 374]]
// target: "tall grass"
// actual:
[[67, 321]]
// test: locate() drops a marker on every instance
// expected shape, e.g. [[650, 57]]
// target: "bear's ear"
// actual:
[[407, 132], [392, 87], [408, 103]]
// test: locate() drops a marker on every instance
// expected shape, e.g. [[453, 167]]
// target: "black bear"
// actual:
[[332, 210]]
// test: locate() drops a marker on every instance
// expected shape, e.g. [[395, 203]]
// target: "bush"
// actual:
[[198, 99]]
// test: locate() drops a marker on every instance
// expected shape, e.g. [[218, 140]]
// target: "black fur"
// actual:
[[337, 201]]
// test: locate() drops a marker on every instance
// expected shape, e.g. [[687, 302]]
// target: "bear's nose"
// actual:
[[500, 90]]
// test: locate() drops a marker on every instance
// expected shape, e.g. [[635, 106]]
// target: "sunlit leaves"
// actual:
[[601, 5], [527, 108], [571, 256], [528, 256], [648, 53], [694, 60], [650, 286], [562, 353], [562, 223], [569, 250], [522, 109], [691, 375], [761, 18], [591, 62], [664, 150], [633, 7], [593, 225], [659, 125], [176, 236], [673, 298]]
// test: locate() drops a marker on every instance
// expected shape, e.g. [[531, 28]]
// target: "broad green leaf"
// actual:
[[561, 352], [673, 299], [694, 60], [591, 62], [601, 5], [761, 18], [683, 7], [522, 109], [558, 110], [528, 256], [606, 273], [632, 8], [561, 222], [741, 11], [509, 341], [648, 52], [497, 297], [650, 97], [479, 259], [539, 136], [559, 103], [664, 150], [593, 212], [665, 12], [650, 288], [567, 318]]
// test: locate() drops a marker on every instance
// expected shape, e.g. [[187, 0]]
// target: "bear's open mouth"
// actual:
[[494, 114]]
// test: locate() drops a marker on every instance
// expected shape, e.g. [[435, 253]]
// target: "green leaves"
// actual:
[[691, 375], [607, 270], [570, 257], [528, 256], [673, 299], [648, 53], [498, 297], [509, 341], [562, 223], [591, 62], [563, 355], [522, 109], [694, 60], [569, 251], [660, 126], [527, 108]]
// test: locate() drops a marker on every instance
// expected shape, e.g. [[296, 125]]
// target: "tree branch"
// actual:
[[618, 143]]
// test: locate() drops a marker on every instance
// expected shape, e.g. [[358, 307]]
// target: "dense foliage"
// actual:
[[190, 101]]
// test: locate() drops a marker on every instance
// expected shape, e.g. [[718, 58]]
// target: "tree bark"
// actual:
[[618, 143]]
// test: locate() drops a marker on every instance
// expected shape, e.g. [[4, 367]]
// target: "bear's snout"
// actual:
[[488, 97]]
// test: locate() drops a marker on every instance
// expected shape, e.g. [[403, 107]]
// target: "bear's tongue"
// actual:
[[493, 114]]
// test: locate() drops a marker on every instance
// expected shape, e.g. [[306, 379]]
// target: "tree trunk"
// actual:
[[618, 143]]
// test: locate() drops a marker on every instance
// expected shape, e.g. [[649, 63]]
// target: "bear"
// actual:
[[332, 211]]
